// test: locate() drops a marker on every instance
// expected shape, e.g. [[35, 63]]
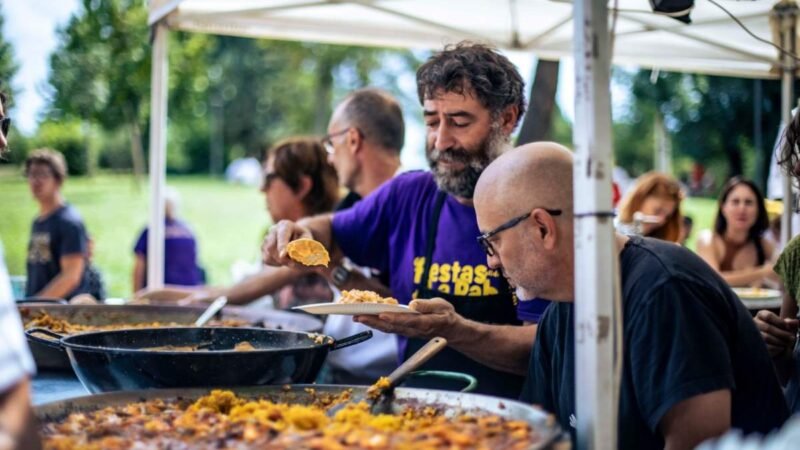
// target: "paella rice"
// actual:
[[224, 420]]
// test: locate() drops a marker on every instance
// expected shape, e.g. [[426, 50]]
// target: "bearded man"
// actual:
[[420, 228]]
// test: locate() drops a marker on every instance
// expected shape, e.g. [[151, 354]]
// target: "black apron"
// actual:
[[497, 309]]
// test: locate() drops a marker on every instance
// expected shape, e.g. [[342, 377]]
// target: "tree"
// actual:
[[710, 120], [8, 65], [101, 70], [538, 121], [229, 97]]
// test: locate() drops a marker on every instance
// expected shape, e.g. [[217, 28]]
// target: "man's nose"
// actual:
[[444, 137], [493, 261]]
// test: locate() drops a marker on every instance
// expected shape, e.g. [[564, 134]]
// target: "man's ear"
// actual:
[[545, 228], [508, 118], [355, 140]]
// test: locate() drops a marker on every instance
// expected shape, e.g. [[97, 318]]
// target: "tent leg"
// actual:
[[788, 20], [596, 258], [158, 157]]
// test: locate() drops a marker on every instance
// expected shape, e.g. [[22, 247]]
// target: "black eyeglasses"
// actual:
[[484, 238], [327, 141], [5, 124]]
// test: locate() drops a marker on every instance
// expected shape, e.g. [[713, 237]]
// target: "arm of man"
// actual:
[[501, 347], [16, 417], [267, 281], [68, 279], [318, 228], [696, 419], [139, 272]]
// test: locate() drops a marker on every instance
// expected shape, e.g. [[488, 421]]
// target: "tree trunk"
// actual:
[[734, 155], [137, 152], [323, 94], [538, 120]]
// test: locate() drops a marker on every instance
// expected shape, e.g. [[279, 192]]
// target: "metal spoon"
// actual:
[[212, 309], [381, 401]]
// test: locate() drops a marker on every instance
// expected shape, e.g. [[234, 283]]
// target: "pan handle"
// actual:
[[352, 340], [31, 333], [50, 300]]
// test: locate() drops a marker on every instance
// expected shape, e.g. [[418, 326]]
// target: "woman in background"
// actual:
[[654, 206], [737, 248]]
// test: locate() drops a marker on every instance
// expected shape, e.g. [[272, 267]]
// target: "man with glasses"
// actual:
[[366, 134], [17, 426], [419, 228], [57, 249], [693, 364]]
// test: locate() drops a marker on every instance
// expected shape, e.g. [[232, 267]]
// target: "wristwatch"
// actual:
[[340, 275]]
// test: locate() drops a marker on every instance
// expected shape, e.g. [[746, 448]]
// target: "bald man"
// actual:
[[694, 364]]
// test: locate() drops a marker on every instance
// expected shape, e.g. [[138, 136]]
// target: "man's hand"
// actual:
[[273, 249], [437, 318], [779, 334]]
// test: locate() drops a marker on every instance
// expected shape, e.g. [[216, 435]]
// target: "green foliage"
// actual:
[[68, 138], [228, 97], [8, 65], [710, 120]]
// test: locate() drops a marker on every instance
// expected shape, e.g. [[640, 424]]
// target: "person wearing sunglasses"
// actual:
[[17, 426], [419, 228], [693, 363]]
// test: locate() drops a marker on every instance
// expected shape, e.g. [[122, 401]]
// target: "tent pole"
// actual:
[[788, 19], [595, 251], [158, 156]]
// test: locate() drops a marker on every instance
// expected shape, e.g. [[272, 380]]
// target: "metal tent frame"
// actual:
[[549, 29]]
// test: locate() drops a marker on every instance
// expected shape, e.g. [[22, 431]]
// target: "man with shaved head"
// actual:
[[694, 364]]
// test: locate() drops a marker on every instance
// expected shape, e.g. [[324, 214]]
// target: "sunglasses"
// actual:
[[5, 124], [268, 179], [484, 238]]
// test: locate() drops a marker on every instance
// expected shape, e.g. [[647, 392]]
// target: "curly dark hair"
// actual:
[[789, 158], [468, 66]]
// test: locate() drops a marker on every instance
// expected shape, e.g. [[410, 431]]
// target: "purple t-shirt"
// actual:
[[180, 254], [388, 231]]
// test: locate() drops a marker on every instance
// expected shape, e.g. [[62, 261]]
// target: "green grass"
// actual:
[[228, 221], [702, 211]]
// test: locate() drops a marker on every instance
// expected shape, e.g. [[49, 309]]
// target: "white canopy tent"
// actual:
[[712, 44]]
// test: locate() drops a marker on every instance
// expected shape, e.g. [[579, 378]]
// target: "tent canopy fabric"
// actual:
[[713, 43]]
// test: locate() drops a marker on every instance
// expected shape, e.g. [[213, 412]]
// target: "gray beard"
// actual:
[[462, 183]]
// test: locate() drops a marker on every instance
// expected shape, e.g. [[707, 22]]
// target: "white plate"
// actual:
[[759, 298], [354, 309]]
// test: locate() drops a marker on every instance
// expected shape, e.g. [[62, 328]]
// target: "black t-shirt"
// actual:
[[685, 334], [348, 201], [60, 233]]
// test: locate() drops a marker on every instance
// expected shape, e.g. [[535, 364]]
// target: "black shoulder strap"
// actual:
[[433, 229]]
